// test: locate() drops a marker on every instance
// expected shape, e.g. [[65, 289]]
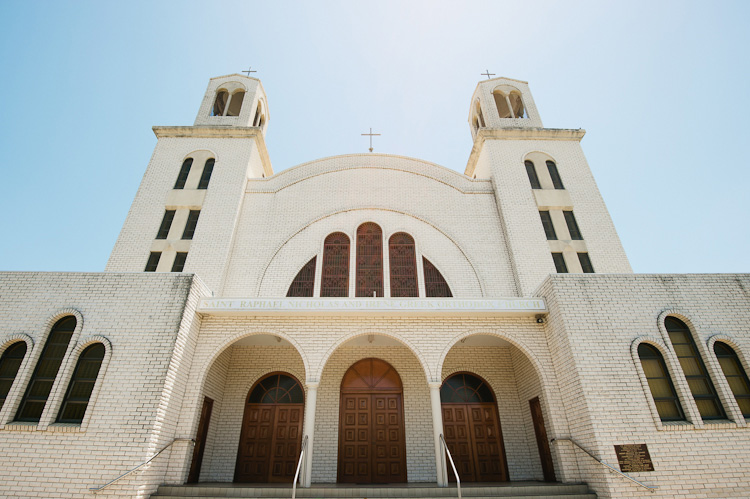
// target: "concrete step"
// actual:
[[536, 490]]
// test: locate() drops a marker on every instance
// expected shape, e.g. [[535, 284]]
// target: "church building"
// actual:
[[370, 320]]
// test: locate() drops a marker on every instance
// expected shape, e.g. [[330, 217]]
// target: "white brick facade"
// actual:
[[165, 351]]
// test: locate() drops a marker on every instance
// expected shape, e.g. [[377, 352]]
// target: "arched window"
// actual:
[[369, 260], [465, 388], [502, 103], [335, 278], [208, 169], [735, 374], [403, 262], [277, 389], [554, 175], [9, 364], [302, 285], [183, 175], [660, 384], [235, 103], [531, 172], [695, 371], [434, 283], [81, 385], [220, 104], [260, 117], [516, 105], [45, 372]]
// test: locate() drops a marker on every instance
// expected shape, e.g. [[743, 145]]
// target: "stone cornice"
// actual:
[[220, 132], [518, 134]]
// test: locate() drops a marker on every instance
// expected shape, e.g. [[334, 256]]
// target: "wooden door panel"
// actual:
[[200, 440], [548, 468]]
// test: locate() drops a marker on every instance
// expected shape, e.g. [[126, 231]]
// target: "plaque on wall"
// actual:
[[634, 458]]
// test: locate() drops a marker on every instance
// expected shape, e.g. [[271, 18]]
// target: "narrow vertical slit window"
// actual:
[[403, 265], [179, 262], [695, 371], [166, 223], [192, 221], [549, 228], [559, 263], [183, 175], [208, 169], [531, 172], [434, 283], [570, 220], [660, 384], [303, 284], [369, 260], [554, 175], [10, 362], [735, 375], [45, 372], [585, 263], [153, 261], [81, 385], [335, 278]]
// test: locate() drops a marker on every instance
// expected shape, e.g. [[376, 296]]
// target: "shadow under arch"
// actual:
[[228, 342], [357, 334], [453, 239]]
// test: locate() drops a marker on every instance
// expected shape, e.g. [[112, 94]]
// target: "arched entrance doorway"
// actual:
[[372, 443], [471, 427], [271, 434]]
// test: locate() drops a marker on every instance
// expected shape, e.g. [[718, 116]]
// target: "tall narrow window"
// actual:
[[735, 374], [220, 104], [554, 175], [235, 104], [369, 260], [335, 278], [304, 282], [192, 221], [403, 262], [10, 362], [179, 262], [166, 223], [585, 263], [570, 220], [208, 169], [560, 266], [153, 261], [81, 385], [549, 228], [660, 384], [46, 369], [695, 371], [183, 175], [531, 172], [434, 282]]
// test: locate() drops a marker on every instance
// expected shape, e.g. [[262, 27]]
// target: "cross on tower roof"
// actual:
[[371, 135], [488, 74], [249, 70]]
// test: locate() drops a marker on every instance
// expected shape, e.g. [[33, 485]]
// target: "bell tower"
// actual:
[[186, 210], [553, 216]]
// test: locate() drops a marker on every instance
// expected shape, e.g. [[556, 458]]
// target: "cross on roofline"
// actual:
[[249, 70], [488, 74], [371, 136]]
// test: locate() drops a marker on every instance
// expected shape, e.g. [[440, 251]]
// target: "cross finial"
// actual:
[[249, 70], [371, 135], [488, 74]]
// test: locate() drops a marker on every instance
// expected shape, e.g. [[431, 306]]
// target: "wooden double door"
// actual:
[[372, 443], [471, 428], [271, 436]]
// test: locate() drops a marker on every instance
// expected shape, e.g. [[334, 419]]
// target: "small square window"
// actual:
[[179, 262], [585, 263], [153, 261]]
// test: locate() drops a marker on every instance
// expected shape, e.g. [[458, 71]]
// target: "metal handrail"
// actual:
[[450, 458], [299, 466], [651, 488], [144, 463]]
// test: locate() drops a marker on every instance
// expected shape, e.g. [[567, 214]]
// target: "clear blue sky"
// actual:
[[660, 87]]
